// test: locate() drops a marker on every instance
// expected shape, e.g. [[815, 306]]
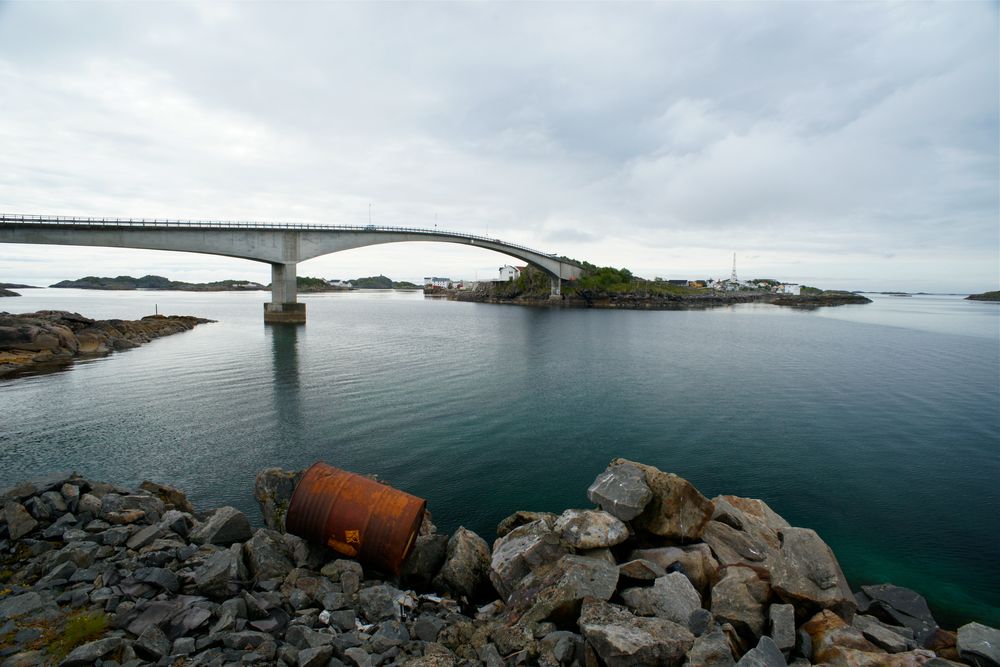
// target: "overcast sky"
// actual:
[[850, 145]]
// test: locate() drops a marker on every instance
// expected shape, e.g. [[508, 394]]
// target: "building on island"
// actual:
[[443, 283], [508, 272]]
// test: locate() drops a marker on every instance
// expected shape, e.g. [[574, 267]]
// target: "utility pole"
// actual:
[[733, 278]]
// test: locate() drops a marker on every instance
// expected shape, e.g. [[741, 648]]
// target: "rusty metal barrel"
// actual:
[[355, 516]]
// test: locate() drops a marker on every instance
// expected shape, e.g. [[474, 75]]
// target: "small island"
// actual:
[[156, 283], [985, 296], [608, 287], [51, 339], [7, 292]]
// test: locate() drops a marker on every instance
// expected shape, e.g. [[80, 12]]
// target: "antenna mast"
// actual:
[[734, 269]]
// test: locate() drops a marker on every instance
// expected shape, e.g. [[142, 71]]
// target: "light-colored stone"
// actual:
[[521, 551], [19, 521], [765, 654], [466, 568], [590, 529], [556, 591], [695, 561], [676, 511], [621, 490], [979, 644], [671, 597], [808, 574], [623, 640], [739, 599]]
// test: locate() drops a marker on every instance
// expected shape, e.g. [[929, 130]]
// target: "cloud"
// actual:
[[621, 134]]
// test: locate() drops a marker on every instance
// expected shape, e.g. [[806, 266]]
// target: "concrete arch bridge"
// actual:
[[282, 245]]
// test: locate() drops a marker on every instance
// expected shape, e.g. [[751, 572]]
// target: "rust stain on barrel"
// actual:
[[355, 516]]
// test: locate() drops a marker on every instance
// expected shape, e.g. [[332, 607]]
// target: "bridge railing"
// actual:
[[84, 221]]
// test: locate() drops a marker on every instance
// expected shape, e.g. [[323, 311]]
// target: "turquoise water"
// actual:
[[877, 425]]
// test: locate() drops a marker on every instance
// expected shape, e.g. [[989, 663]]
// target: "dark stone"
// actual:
[[765, 654], [465, 571], [90, 653], [315, 657], [152, 643], [159, 576], [901, 606], [226, 526], [19, 520], [273, 488], [979, 644], [424, 562], [267, 556], [379, 603]]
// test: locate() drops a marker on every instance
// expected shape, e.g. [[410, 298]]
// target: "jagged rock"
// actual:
[[172, 498], [226, 526], [888, 638], [176, 521], [555, 592], [151, 506], [739, 599], [590, 529], [781, 619], [623, 640], [700, 621], [695, 561], [899, 606], [640, 569], [89, 504], [711, 650], [220, 575], [90, 653], [34, 487], [522, 550], [621, 490], [807, 574], [521, 518], [765, 654], [144, 537], [159, 576], [273, 489], [19, 520], [427, 627], [467, 565], [379, 603], [303, 553], [732, 546], [266, 555], [315, 657], [389, 634], [671, 597], [24, 604], [424, 562], [676, 511], [247, 639], [979, 644], [152, 643]]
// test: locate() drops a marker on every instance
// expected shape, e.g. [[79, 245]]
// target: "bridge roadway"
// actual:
[[282, 245]]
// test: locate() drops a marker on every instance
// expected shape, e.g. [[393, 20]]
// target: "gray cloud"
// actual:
[[808, 134]]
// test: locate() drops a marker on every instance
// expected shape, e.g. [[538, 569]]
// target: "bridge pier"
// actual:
[[283, 309], [556, 292]]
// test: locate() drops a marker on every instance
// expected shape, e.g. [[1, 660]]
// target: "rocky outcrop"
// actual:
[[826, 298], [6, 292], [985, 296], [728, 582], [53, 338]]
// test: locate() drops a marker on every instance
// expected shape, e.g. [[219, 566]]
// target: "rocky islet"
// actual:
[[54, 338], [656, 575]]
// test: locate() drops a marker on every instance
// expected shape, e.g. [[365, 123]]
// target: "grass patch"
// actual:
[[79, 628]]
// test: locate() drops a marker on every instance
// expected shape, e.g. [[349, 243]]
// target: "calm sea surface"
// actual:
[[876, 425]]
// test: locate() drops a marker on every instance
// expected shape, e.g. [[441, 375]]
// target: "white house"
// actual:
[[444, 283], [508, 272], [790, 288]]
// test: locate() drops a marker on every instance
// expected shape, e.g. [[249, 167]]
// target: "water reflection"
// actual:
[[286, 389]]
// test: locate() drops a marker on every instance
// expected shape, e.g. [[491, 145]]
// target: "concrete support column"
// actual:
[[556, 288], [283, 308]]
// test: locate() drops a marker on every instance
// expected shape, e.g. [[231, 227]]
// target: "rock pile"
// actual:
[[56, 337], [656, 575]]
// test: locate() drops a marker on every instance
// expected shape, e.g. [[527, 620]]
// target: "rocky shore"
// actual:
[[6, 292], [32, 342], [95, 574], [827, 298]]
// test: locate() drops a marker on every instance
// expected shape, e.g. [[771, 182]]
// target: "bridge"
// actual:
[[282, 245]]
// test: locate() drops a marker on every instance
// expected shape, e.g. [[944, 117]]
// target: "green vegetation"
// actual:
[[985, 296], [152, 283], [807, 291], [306, 282], [78, 630]]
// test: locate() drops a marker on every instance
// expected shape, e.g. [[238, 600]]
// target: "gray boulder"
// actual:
[[273, 489], [621, 491], [171, 497], [221, 575], [676, 511], [671, 597], [266, 555], [623, 640], [466, 568], [25, 604], [90, 653], [899, 606], [522, 550], [695, 561], [19, 520], [590, 529], [891, 639], [739, 599], [711, 649], [226, 526], [781, 619], [424, 562], [557, 591], [979, 644], [380, 602], [765, 654], [808, 575]]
